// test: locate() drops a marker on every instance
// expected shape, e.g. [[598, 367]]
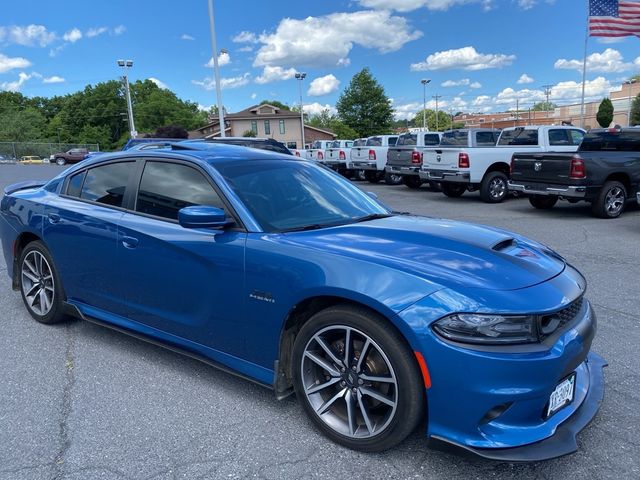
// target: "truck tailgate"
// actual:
[[401, 156], [541, 167], [359, 154], [441, 158]]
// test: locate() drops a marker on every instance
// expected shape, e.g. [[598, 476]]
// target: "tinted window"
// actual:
[[455, 138], [576, 136], [106, 184], [625, 141], [559, 138], [75, 184], [374, 142], [486, 138], [392, 141], [348, 144], [165, 188], [519, 136], [361, 142], [407, 139], [430, 139]]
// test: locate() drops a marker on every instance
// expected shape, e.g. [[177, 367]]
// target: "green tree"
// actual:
[[249, 134], [635, 111], [342, 130], [443, 123], [94, 134], [364, 106], [605, 113], [276, 103], [543, 106], [22, 125]]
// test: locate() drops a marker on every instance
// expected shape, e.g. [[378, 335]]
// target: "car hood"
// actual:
[[451, 254]]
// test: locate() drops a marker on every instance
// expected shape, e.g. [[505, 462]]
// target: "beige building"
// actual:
[[265, 121]]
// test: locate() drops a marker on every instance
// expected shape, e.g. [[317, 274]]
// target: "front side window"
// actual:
[[267, 127], [106, 184], [165, 188], [282, 127]]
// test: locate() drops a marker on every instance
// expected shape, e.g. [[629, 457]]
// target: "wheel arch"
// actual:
[[21, 241], [621, 177], [499, 167]]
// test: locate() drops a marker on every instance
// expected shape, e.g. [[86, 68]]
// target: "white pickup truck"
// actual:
[[317, 150], [462, 168], [372, 156], [336, 156]]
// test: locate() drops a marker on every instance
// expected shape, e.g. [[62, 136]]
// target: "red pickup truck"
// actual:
[[74, 155]]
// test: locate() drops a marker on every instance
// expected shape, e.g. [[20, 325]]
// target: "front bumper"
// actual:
[[402, 170], [445, 176], [548, 190]]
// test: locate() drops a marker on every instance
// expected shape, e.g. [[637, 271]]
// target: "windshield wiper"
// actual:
[[373, 216], [313, 226]]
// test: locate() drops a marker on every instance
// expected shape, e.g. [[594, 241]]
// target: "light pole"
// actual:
[[126, 65], [629, 82], [216, 69], [424, 83], [300, 77], [437, 97]]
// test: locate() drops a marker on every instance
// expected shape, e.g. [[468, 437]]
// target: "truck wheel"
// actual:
[[392, 179], [61, 161], [542, 202], [610, 201], [453, 190], [494, 187], [412, 181], [435, 186], [359, 175], [372, 176]]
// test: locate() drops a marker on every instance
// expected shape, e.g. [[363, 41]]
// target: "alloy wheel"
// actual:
[[614, 201], [497, 188], [349, 382], [37, 283]]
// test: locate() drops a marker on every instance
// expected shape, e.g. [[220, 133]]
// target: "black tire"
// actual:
[[411, 181], [359, 175], [610, 201], [494, 187], [543, 202], [61, 161], [453, 190], [409, 388], [435, 186], [392, 178], [372, 176], [56, 312]]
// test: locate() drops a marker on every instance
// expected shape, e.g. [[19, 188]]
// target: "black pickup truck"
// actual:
[[605, 171]]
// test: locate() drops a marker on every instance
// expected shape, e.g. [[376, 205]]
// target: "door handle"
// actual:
[[129, 242], [54, 218]]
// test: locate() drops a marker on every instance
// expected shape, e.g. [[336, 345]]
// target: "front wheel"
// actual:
[[392, 178], [543, 202], [61, 161], [412, 181], [357, 379], [610, 201], [494, 187], [453, 190]]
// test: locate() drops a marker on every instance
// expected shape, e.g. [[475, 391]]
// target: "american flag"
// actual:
[[614, 18]]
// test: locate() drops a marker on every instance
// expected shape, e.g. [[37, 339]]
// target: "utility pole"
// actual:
[[300, 76], [437, 97], [126, 65], [424, 83], [547, 92], [517, 122], [216, 69]]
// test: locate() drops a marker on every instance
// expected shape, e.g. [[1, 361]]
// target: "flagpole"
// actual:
[[584, 67]]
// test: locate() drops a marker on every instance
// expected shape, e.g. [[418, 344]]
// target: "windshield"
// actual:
[[293, 195], [455, 138]]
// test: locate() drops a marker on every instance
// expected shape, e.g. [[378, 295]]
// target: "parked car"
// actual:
[[7, 159], [293, 277], [317, 150], [605, 172], [336, 156], [486, 168], [31, 159], [74, 155], [404, 159], [299, 152], [355, 173], [132, 142], [372, 157]]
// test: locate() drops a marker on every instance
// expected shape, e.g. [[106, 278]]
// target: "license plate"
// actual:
[[562, 395]]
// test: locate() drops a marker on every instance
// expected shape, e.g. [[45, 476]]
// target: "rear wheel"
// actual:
[[359, 175], [357, 379], [610, 201], [392, 178], [543, 202], [435, 186], [453, 190], [61, 161], [40, 285], [372, 176], [412, 181], [494, 187]]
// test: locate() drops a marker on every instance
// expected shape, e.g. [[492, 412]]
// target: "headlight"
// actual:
[[487, 328]]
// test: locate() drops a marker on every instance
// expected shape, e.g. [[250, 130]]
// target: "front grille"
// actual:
[[558, 320]]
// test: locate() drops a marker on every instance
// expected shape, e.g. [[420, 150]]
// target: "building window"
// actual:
[[254, 126], [282, 127], [267, 127]]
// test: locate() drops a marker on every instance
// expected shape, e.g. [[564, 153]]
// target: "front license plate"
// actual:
[[562, 395]]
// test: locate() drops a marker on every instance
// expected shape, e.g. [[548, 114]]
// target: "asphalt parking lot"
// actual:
[[78, 401]]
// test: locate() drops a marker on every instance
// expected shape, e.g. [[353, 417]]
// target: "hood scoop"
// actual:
[[504, 245]]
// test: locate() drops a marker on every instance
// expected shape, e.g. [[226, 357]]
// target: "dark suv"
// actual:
[[74, 155]]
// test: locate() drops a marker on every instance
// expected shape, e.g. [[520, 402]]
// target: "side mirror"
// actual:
[[202, 216]]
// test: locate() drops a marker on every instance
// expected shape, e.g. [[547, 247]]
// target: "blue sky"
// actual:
[[481, 55]]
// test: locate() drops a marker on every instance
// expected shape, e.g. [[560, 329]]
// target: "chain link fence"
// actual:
[[13, 151]]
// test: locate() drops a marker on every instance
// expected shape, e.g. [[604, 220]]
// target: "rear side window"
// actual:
[[519, 136], [106, 184], [625, 141], [165, 188], [407, 139], [486, 138], [74, 187], [431, 139]]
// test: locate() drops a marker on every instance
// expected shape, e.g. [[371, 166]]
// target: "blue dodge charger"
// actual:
[[283, 272]]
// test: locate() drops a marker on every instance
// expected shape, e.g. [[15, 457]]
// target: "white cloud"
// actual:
[[119, 30], [186, 36], [72, 35], [410, 5], [317, 108], [159, 83], [466, 58], [323, 86], [327, 40], [29, 35], [406, 111], [475, 85], [55, 51], [636, 62], [509, 96], [245, 37], [343, 62], [594, 89], [462, 82], [17, 84], [53, 79], [524, 78], [609, 61], [274, 74], [609, 40], [94, 32], [223, 59], [246, 48], [253, 96], [527, 4], [225, 83], [9, 63]]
